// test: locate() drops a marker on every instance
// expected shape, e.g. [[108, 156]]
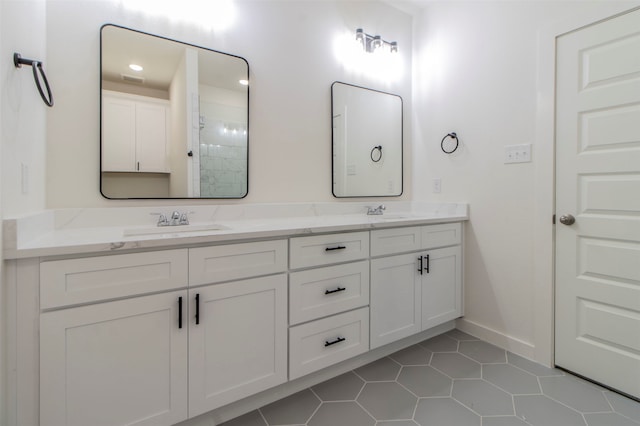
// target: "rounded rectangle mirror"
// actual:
[[174, 118], [367, 142]]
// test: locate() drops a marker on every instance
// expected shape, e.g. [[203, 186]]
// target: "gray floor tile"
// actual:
[[460, 335], [511, 379], [483, 352], [539, 410], [387, 401], [456, 365], [294, 409], [250, 419], [342, 388], [381, 370], [503, 421], [444, 411], [413, 355], [532, 367], [482, 397], [623, 405], [608, 419], [417, 387], [575, 393], [341, 414], [425, 381], [441, 343]]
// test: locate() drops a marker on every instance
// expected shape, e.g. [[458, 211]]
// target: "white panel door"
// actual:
[[395, 298], [598, 185], [237, 341], [441, 286], [115, 363]]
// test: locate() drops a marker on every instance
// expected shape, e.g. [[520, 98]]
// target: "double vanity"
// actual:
[[119, 321]]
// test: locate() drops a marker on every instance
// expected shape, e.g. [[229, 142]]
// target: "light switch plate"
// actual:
[[517, 153], [437, 185]]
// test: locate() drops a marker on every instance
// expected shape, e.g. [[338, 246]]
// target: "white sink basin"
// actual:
[[155, 230], [389, 217]]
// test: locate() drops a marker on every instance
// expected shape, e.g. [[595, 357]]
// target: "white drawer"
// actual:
[[324, 342], [445, 234], [321, 292], [396, 240], [89, 279], [234, 261], [326, 249]]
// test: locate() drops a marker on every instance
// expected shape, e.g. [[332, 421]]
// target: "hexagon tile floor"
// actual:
[[450, 380]]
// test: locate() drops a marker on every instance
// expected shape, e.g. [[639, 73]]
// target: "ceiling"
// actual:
[[160, 58]]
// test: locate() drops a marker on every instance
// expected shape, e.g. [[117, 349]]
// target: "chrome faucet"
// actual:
[[176, 219], [376, 210]]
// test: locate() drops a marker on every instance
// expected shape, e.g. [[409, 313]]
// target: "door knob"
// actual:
[[567, 219]]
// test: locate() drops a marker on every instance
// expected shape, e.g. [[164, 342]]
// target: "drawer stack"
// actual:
[[328, 300]]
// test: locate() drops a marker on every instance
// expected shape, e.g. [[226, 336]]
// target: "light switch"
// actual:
[[517, 153], [437, 185]]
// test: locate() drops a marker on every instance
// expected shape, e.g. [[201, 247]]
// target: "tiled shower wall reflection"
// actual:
[[223, 151]]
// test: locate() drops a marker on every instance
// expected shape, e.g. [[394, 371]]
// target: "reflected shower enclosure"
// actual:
[[223, 145]]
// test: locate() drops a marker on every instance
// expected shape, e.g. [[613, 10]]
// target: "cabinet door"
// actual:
[[441, 286], [151, 137], [238, 344], [395, 298], [118, 135], [115, 363]]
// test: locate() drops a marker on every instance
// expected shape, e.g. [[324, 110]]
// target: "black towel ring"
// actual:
[[453, 136], [379, 156], [36, 66]]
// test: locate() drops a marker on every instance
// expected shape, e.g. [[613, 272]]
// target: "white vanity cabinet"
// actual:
[[237, 329], [328, 306], [417, 290], [121, 362], [156, 336], [135, 133], [162, 358]]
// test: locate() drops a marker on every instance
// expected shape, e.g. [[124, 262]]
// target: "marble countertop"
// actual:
[[82, 231]]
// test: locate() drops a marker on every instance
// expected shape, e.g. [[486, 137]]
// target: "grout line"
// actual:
[[263, 417]]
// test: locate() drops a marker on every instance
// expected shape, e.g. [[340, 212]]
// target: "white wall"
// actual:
[[22, 134], [477, 72], [289, 47], [24, 113]]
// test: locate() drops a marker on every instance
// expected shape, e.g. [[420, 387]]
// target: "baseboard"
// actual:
[[510, 343]]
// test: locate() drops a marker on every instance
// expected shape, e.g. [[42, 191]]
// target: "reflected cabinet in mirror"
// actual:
[[367, 142], [174, 118]]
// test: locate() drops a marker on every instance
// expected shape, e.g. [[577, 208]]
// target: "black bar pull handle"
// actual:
[[420, 268], [180, 312], [335, 290], [427, 267], [333, 342], [197, 308], [335, 248]]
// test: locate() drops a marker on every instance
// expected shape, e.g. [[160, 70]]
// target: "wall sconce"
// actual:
[[372, 43]]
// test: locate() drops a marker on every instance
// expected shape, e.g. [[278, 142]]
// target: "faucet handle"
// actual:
[[184, 219], [162, 219]]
